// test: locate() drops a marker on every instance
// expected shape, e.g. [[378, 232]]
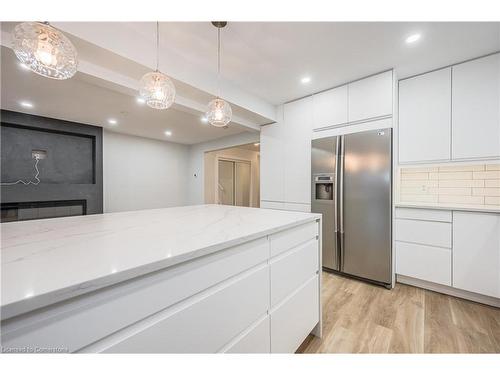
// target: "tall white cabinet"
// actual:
[[451, 114]]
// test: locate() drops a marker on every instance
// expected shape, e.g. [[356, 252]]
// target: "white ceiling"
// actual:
[[268, 59], [86, 100]]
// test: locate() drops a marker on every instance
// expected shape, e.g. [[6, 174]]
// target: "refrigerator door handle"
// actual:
[[335, 185], [341, 202]]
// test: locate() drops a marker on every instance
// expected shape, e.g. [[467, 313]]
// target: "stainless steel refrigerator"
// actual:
[[352, 188]]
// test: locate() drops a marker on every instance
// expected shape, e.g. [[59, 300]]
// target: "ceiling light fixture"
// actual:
[[168, 133], [219, 111], [157, 89], [412, 38], [140, 100], [305, 79], [256, 144], [204, 119], [26, 104], [112, 121], [45, 50]]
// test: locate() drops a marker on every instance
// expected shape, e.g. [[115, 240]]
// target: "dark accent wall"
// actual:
[[71, 169]]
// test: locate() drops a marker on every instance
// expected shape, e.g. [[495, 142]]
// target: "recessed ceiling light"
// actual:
[[204, 120], [168, 133], [140, 100], [112, 121], [305, 79], [256, 144], [412, 38], [24, 66], [26, 104]]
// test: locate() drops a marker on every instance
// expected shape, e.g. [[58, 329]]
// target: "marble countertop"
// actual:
[[50, 260], [455, 207]]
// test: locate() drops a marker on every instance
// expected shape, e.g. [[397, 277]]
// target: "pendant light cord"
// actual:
[[157, 44], [218, 62]]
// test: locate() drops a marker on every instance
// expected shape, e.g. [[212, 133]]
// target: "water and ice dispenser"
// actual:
[[323, 186]]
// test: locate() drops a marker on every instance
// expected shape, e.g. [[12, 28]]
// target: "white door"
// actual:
[[476, 252], [226, 182], [476, 108], [425, 117], [371, 97]]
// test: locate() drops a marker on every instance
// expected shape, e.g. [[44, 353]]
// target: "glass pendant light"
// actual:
[[45, 50], [219, 111], [157, 90]]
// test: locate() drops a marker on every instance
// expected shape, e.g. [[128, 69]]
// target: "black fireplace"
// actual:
[[42, 210]]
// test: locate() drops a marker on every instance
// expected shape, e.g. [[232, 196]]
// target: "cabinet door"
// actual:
[[271, 160], [425, 117], [330, 108], [297, 155], [476, 252], [371, 97], [476, 108]]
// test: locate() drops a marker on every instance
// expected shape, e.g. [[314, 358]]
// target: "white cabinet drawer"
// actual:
[[431, 233], [292, 269], [295, 318], [256, 340], [423, 214], [96, 313], [292, 237], [424, 262], [200, 326], [272, 205]]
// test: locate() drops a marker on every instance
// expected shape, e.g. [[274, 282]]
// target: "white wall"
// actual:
[[196, 161], [141, 173], [237, 154]]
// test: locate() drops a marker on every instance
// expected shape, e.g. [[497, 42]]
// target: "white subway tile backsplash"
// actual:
[[461, 183], [491, 183], [495, 201], [415, 176], [461, 199], [493, 167], [475, 185], [486, 192], [420, 183], [461, 168], [456, 175], [488, 175]]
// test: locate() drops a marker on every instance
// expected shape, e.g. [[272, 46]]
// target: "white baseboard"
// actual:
[[487, 300]]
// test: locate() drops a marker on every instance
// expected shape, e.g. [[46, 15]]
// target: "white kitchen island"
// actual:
[[186, 279]]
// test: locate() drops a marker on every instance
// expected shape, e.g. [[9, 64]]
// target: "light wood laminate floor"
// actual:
[[363, 318]]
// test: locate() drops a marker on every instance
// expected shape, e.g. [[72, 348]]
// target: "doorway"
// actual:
[[232, 176]]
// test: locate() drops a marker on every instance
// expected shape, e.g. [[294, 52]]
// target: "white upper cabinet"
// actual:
[[425, 117], [476, 252], [476, 108], [370, 97], [330, 108], [297, 151]]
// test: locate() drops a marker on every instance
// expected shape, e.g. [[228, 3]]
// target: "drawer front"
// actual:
[[295, 318], [423, 214], [202, 326], [255, 340], [430, 233], [272, 205], [290, 238], [291, 269], [95, 315], [300, 207], [424, 262]]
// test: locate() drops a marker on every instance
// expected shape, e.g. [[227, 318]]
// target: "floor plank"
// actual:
[[362, 318]]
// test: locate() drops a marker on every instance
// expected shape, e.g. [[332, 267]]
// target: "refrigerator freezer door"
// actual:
[[367, 205], [323, 162]]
